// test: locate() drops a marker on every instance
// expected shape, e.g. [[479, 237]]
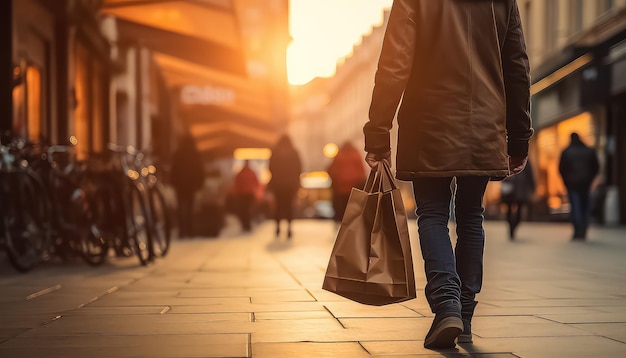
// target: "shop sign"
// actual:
[[207, 96]]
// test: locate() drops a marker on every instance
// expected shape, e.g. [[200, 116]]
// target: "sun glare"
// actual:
[[324, 31]]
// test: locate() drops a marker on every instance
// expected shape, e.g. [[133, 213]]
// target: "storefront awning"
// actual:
[[198, 47], [204, 32]]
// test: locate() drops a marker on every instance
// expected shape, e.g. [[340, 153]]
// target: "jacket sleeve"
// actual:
[[516, 70], [394, 69]]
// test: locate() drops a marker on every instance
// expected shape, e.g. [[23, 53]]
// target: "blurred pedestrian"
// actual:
[[462, 72], [346, 172], [245, 190], [187, 177], [578, 167], [516, 194], [286, 168]]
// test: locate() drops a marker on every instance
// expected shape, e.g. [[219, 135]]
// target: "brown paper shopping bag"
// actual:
[[371, 261]]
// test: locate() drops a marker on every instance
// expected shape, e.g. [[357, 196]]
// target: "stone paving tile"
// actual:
[[488, 310], [154, 346], [616, 331], [306, 330], [143, 325], [615, 317], [561, 302], [382, 329], [353, 309], [325, 296], [120, 300], [551, 347], [521, 326], [250, 307], [262, 316], [115, 311], [416, 348], [308, 349]]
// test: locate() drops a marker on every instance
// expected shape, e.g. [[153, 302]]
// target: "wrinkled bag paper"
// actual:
[[371, 261]]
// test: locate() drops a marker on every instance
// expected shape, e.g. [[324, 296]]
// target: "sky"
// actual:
[[325, 31]]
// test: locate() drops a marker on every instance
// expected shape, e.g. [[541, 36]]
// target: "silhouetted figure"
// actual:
[[245, 188], [578, 167], [187, 177], [459, 72], [286, 168], [346, 172], [516, 193]]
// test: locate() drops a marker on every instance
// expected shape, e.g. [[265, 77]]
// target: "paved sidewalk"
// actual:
[[254, 296]]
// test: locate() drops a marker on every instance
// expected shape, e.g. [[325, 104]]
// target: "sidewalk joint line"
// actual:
[[249, 346], [165, 310], [365, 349], [52, 320], [44, 292], [335, 317]]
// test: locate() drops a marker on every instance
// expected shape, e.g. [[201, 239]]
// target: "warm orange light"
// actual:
[[315, 180], [330, 150], [315, 49], [252, 153]]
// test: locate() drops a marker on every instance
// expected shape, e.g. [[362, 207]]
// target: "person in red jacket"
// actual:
[[346, 172], [245, 188]]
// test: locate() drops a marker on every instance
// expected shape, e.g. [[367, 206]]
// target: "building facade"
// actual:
[[577, 52]]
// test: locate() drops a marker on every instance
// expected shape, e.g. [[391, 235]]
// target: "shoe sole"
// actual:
[[465, 338], [445, 334]]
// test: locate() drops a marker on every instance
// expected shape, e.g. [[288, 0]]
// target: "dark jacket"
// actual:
[[285, 168], [187, 175], [519, 188], [462, 68], [578, 165]]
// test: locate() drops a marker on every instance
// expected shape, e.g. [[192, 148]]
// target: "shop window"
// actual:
[[19, 105], [27, 103], [550, 143], [33, 101], [97, 111], [89, 110], [81, 111]]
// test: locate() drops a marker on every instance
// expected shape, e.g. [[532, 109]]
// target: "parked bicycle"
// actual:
[[25, 215]]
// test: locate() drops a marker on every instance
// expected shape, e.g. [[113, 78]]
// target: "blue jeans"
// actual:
[[453, 277], [580, 211]]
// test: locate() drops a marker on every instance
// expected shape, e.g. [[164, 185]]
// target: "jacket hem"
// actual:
[[494, 175]]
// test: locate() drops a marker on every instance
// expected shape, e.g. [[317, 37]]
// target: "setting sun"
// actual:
[[324, 31]]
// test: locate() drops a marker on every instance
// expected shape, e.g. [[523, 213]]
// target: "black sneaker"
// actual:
[[444, 332]]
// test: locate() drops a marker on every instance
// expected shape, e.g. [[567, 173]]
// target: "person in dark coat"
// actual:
[[516, 193], [245, 190], [461, 70], [578, 167], [346, 172], [187, 177], [285, 167]]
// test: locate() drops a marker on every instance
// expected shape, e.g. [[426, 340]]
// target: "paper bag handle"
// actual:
[[380, 179]]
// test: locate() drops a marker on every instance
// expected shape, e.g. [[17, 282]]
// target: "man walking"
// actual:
[[462, 72], [578, 167]]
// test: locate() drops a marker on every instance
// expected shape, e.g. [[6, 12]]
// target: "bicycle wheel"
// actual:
[[161, 224], [93, 246], [138, 221], [25, 234]]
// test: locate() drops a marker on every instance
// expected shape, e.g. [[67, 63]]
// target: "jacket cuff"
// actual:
[[377, 143], [518, 148]]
